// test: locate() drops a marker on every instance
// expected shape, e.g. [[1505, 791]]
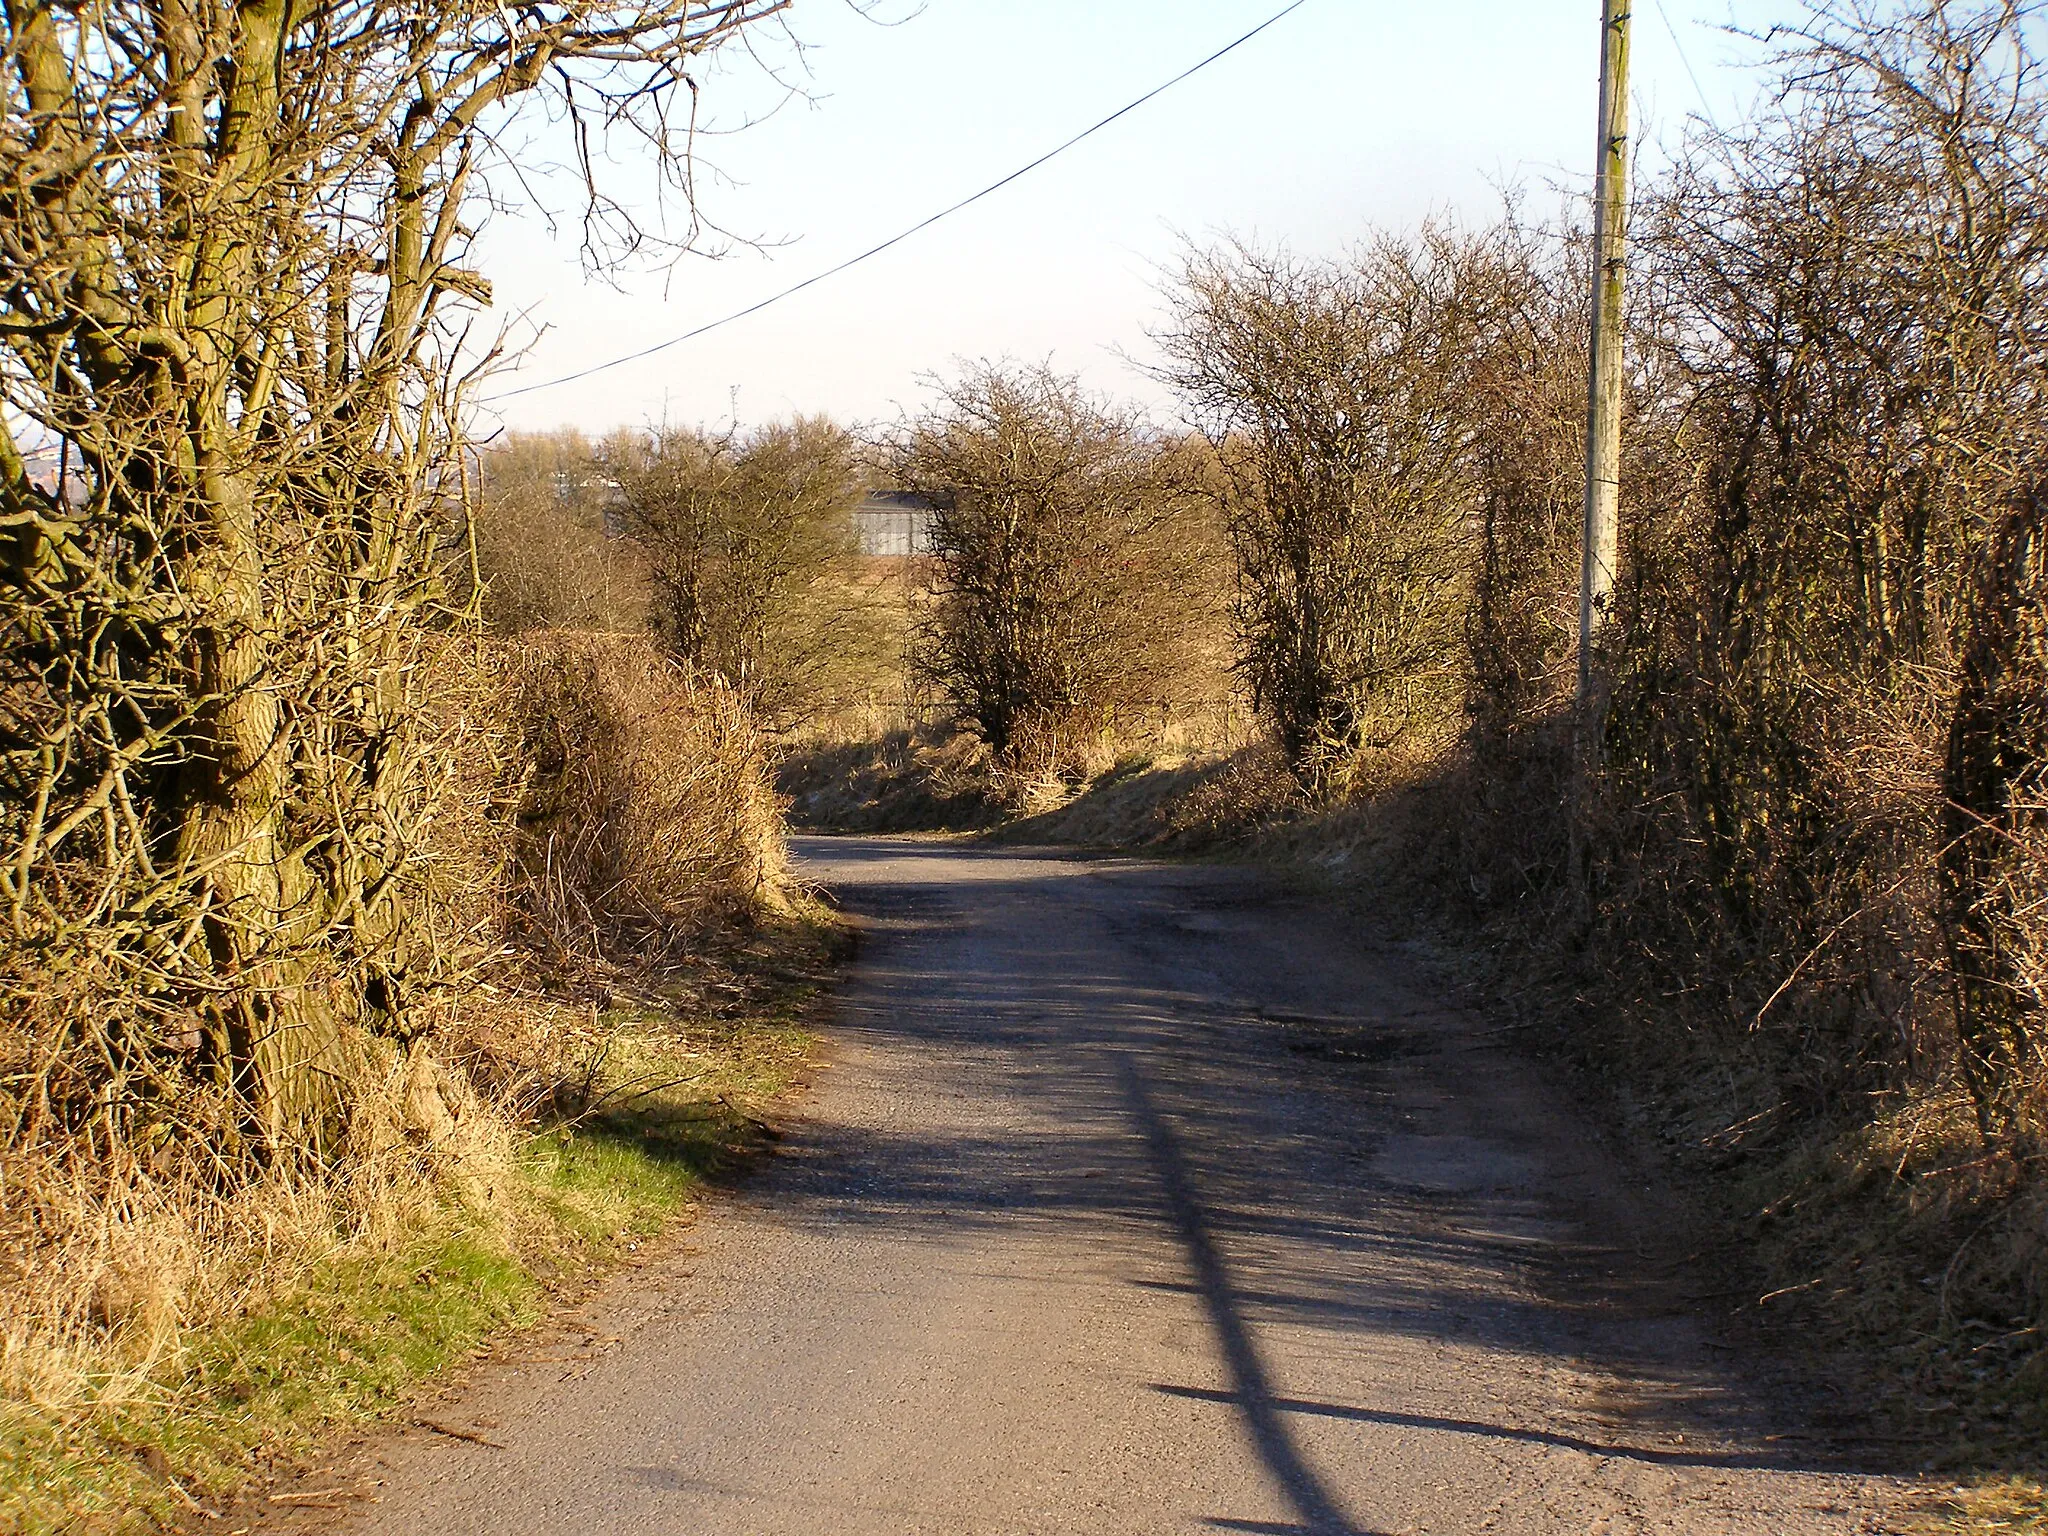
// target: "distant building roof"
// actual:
[[893, 524], [894, 501]]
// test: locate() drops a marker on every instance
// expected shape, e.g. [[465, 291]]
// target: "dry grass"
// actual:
[[316, 1313], [645, 814], [1990, 1507], [111, 1265], [602, 825], [881, 770], [129, 1284], [910, 778]]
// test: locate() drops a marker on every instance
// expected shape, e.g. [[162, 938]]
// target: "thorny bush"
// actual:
[[1073, 567]]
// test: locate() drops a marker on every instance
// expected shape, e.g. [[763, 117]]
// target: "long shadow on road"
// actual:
[[1254, 1395], [1177, 1102]]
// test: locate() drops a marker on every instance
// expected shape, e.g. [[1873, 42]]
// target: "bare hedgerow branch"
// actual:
[[232, 287], [1068, 555], [1826, 692]]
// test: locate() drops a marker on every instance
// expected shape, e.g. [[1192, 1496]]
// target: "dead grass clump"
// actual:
[[1130, 805], [1232, 799], [908, 779], [878, 771], [113, 1265], [645, 816]]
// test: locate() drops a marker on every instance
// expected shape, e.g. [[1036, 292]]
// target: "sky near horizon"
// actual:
[[1346, 115]]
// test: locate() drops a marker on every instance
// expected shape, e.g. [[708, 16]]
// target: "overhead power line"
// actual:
[[1679, 43], [917, 228]]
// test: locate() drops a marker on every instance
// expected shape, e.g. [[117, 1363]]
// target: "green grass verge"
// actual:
[[675, 1103]]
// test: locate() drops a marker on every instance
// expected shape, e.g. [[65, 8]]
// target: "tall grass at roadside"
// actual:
[[645, 816]]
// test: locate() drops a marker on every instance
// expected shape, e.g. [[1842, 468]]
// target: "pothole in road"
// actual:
[[1339, 1040]]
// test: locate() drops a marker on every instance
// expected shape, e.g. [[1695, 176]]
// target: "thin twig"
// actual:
[[460, 1434]]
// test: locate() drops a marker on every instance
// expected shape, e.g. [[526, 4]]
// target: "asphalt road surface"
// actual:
[[1145, 1198]]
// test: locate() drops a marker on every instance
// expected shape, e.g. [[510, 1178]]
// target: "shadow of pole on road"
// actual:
[[1263, 1412], [1646, 1454]]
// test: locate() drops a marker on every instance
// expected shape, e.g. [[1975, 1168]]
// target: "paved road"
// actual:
[[1140, 1198]]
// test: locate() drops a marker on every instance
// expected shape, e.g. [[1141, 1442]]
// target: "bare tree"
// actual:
[[1335, 396], [234, 242], [1067, 547]]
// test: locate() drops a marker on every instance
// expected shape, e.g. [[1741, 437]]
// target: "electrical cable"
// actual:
[[1698, 89], [917, 228]]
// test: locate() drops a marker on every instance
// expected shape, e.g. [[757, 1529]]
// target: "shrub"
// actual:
[[1071, 563], [748, 538], [593, 808]]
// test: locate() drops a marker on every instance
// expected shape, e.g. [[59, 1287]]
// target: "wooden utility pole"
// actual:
[[1600, 549]]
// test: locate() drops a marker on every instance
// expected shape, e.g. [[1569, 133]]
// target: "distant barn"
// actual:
[[893, 524], [47, 465]]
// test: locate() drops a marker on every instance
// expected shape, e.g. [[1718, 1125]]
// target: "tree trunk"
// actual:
[[1997, 748], [271, 1032]]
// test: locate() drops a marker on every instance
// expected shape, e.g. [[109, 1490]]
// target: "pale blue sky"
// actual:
[[1347, 114]]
